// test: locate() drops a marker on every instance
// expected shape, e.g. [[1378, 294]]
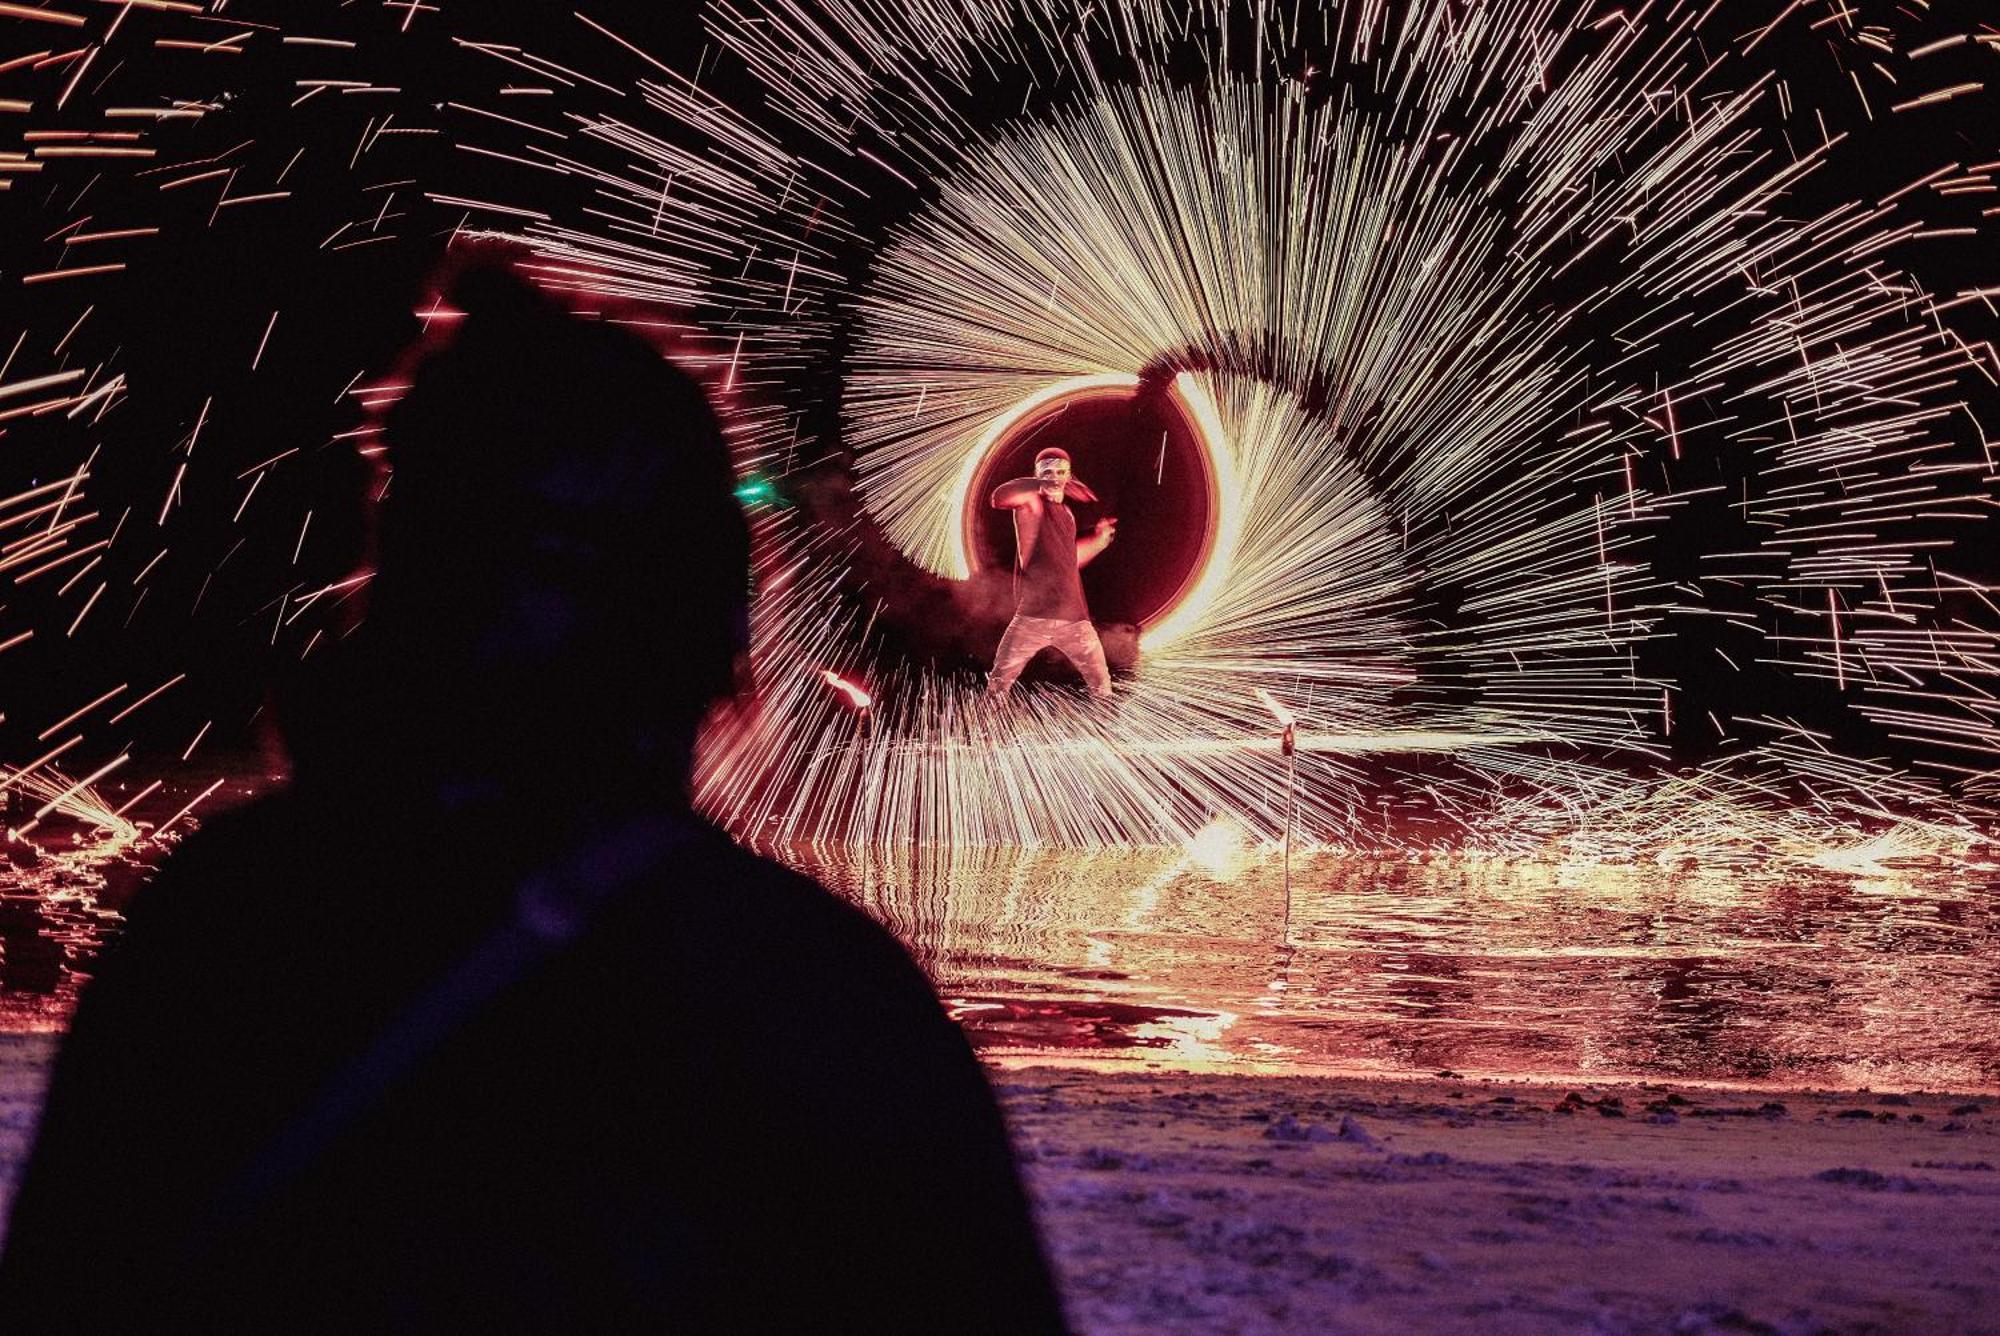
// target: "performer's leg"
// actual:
[[1024, 639], [1079, 641]]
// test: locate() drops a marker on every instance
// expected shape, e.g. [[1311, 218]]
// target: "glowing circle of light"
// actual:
[[1026, 411], [1225, 527], [1211, 570]]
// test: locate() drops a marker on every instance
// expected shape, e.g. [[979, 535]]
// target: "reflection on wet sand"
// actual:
[[70, 862], [1499, 967], [1885, 974], [55, 916]]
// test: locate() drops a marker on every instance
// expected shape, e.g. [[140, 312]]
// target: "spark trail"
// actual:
[[1536, 348], [1506, 294]]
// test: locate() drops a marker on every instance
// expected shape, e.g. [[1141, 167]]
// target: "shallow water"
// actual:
[[1524, 968], [1482, 967], [55, 917]]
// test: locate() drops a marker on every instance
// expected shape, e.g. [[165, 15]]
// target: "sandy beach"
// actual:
[[1176, 1201]]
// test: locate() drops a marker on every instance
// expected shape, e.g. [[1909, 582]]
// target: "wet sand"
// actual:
[[1245, 1204], [1174, 1201]]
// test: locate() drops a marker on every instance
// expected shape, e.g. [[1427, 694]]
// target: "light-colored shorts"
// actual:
[[1027, 636]]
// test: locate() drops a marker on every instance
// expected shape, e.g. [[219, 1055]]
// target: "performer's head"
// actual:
[[1052, 469]]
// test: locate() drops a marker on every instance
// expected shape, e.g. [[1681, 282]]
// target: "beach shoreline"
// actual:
[[1177, 1200]]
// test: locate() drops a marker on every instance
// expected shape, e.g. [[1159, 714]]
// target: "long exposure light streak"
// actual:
[[1379, 321], [1444, 527], [1543, 361], [78, 799]]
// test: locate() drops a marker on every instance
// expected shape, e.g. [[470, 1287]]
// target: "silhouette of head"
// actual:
[[562, 567]]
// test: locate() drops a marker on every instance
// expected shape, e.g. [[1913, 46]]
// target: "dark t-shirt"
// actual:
[[732, 1104], [1046, 580]]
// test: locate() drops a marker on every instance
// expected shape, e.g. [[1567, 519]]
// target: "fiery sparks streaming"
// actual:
[[1526, 378]]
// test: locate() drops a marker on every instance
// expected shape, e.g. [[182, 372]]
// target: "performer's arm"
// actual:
[[1095, 541], [1021, 492]]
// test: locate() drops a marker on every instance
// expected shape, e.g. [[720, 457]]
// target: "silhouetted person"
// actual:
[[1049, 608], [477, 1027]]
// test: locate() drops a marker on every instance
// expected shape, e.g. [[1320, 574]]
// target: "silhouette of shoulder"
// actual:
[[620, 1135]]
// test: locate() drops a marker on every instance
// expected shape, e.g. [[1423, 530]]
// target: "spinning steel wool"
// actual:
[[1565, 430]]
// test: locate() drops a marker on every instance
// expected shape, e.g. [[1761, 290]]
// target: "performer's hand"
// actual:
[[1078, 490], [1107, 528]]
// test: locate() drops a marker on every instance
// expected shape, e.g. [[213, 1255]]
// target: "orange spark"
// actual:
[[860, 699]]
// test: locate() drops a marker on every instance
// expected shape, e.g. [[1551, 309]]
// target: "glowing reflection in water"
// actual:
[[1878, 967], [1883, 974], [54, 919]]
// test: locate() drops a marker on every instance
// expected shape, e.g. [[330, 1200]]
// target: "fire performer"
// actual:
[[1049, 607]]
